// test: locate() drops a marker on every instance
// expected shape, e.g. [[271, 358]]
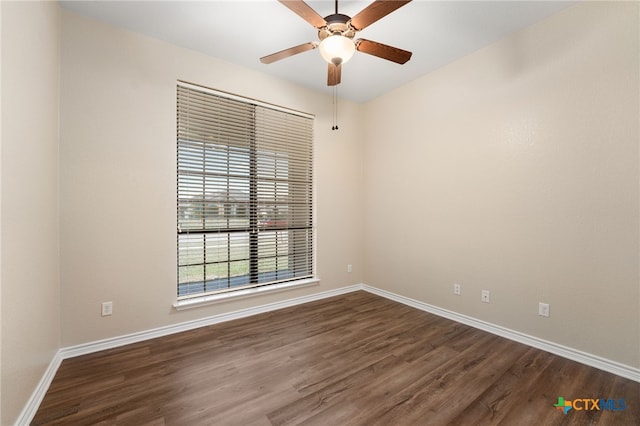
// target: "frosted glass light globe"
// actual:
[[337, 49]]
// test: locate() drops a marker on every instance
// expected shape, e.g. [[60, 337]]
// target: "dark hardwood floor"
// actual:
[[356, 359]]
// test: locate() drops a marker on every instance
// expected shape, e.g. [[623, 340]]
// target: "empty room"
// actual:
[[320, 212]]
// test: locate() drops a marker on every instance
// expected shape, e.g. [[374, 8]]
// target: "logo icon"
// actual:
[[563, 405]]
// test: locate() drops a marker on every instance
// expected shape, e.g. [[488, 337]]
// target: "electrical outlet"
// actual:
[[485, 296], [543, 309], [349, 268], [107, 308], [457, 289]]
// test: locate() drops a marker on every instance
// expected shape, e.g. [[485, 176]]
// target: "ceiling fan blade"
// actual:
[[288, 52], [375, 11], [383, 51], [334, 74], [305, 12]]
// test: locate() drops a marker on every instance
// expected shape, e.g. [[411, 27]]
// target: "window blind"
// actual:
[[244, 198]]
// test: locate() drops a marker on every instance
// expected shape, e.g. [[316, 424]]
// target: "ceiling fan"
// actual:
[[336, 33]]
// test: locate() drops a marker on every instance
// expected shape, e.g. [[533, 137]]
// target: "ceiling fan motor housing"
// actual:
[[337, 24]]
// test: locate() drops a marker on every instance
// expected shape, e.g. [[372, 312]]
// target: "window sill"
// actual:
[[240, 294]]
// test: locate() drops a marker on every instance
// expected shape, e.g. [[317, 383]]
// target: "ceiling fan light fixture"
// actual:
[[337, 49]]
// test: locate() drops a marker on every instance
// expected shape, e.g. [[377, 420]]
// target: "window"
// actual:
[[244, 172]]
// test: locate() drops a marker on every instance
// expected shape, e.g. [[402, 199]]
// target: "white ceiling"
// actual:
[[437, 32]]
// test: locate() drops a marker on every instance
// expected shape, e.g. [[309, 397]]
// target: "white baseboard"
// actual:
[[604, 364], [40, 391], [115, 342], [32, 405]]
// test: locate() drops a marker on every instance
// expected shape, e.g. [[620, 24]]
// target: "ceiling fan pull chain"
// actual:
[[335, 94], [335, 108]]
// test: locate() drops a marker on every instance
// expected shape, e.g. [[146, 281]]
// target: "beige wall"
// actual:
[[30, 273], [118, 178], [515, 169]]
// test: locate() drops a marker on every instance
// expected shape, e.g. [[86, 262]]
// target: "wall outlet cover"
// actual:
[[107, 308], [543, 309]]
